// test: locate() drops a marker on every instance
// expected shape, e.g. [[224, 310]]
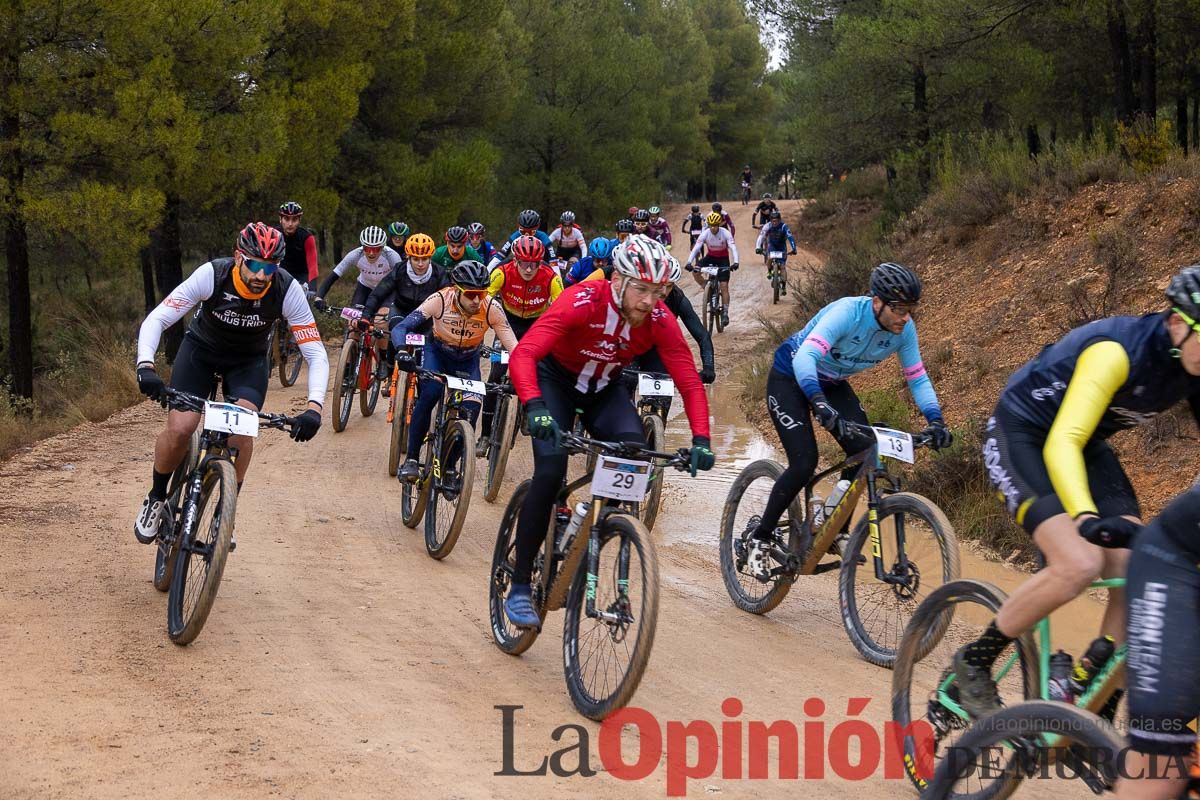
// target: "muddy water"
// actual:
[[737, 444]]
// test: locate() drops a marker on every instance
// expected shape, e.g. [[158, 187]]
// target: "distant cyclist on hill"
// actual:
[[693, 225]]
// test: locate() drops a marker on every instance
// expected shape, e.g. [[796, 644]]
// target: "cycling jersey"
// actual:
[[521, 298], [693, 224], [777, 234], [403, 290], [763, 210], [727, 222], [720, 244], [235, 321], [454, 331], [584, 334], [443, 259], [584, 269], [1100, 378], [845, 338], [570, 239], [660, 231], [299, 254], [486, 250], [370, 273]]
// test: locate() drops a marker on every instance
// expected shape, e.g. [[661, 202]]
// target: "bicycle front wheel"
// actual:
[[876, 612], [202, 554], [414, 495], [450, 490], [746, 500], [605, 652], [504, 429], [656, 439], [1081, 745], [166, 549], [707, 308], [368, 398], [924, 695], [344, 382]]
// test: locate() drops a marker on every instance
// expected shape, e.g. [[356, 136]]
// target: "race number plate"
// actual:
[[777, 255], [711, 271], [895, 444], [500, 357], [351, 314], [654, 386], [620, 478], [464, 385], [230, 418], [414, 338]]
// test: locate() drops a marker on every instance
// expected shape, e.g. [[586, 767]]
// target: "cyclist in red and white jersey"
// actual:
[[719, 251], [572, 359], [374, 261], [567, 240]]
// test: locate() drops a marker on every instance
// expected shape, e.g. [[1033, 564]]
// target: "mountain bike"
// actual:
[[924, 689], [612, 603], [441, 492], [356, 370], [713, 306], [401, 395], [197, 527], [777, 272], [745, 193], [507, 422], [921, 546], [285, 353]]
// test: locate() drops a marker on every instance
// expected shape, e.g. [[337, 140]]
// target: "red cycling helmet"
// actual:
[[632, 210], [528, 248], [261, 242]]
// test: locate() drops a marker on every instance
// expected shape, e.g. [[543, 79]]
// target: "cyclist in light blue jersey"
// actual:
[[808, 379]]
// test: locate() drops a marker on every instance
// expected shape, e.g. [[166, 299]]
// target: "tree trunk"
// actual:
[[921, 113], [1118, 40], [168, 266], [1195, 121], [1147, 34], [12, 170], [148, 295], [1033, 141], [1181, 120]]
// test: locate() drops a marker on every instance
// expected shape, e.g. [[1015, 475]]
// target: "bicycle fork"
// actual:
[[901, 572]]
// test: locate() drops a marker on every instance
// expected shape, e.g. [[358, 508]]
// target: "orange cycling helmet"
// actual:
[[419, 245]]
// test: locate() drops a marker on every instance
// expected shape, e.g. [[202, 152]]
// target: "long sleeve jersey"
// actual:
[[719, 244]]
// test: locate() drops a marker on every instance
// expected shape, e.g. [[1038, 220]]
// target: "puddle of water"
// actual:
[[694, 507]]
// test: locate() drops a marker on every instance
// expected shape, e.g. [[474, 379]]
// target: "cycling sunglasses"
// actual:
[[902, 309], [265, 267], [374, 250], [1193, 324], [473, 294]]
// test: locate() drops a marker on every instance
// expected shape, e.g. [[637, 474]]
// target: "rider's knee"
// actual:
[[1079, 570]]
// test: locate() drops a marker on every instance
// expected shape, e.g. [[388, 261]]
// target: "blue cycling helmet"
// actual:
[[600, 248]]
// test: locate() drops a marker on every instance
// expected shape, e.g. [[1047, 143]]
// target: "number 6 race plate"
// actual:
[[620, 478], [895, 444], [651, 386], [229, 418]]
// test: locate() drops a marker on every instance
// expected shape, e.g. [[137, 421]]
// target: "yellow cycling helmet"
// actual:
[[715, 219], [419, 245]]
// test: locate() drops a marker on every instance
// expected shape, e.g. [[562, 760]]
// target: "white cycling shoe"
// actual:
[[149, 520]]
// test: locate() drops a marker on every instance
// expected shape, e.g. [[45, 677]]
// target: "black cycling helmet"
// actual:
[[894, 283], [469, 275], [456, 235], [695, 209], [1184, 291], [642, 215], [529, 219], [291, 209], [776, 215], [716, 206], [625, 225]]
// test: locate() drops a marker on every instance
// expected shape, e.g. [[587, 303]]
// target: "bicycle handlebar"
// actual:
[[572, 443], [919, 439], [185, 401]]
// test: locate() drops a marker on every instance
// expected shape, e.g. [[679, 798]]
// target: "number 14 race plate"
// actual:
[[621, 478]]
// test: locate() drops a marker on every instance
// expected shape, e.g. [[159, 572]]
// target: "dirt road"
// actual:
[[340, 660]]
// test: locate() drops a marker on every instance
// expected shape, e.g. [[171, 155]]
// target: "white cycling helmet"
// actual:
[[372, 236], [675, 271], [644, 259]]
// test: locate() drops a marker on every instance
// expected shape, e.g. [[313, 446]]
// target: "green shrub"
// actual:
[[845, 273], [1147, 143], [888, 407]]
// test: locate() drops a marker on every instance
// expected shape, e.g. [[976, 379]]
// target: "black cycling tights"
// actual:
[[608, 415], [791, 414]]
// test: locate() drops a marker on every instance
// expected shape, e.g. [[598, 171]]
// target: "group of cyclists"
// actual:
[[574, 313]]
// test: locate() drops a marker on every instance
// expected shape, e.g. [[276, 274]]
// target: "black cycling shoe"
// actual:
[[977, 691], [409, 471]]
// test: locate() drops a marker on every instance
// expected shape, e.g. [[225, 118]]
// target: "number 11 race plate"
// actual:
[[230, 418], [895, 444], [620, 478]]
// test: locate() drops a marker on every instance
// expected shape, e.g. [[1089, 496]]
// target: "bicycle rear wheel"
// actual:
[[369, 397], [656, 439], [602, 669], [504, 429], [875, 613], [345, 381], [166, 548], [201, 559], [1084, 745], [746, 499], [450, 490], [949, 617], [509, 638], [290, 359]]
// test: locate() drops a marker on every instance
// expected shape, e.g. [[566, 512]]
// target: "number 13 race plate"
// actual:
[[230, 418], [895, 444], [620, 478]]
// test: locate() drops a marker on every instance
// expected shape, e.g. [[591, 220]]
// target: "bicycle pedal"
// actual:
[[827, 566]]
